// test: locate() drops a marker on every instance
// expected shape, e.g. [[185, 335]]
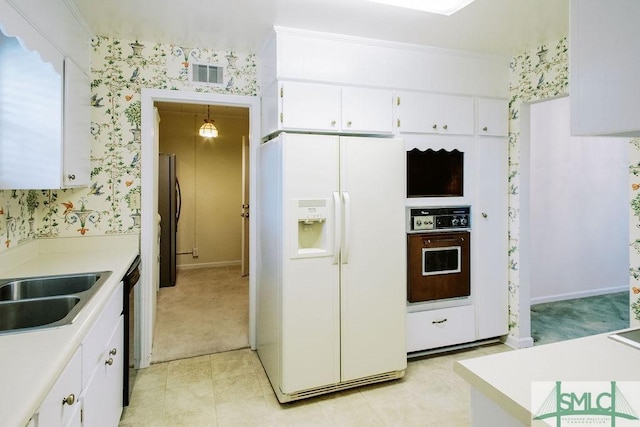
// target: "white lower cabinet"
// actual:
[[61, 406], [102, 367], [102, 397], [440, 328], [88, 392]]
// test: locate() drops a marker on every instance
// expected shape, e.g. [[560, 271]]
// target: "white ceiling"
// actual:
[[492, 26]]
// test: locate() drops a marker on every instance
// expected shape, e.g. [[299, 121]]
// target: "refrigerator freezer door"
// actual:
[[167, 210], [373, 282], [310, 285]]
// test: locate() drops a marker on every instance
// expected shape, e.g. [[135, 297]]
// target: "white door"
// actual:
[[490, 237], [310, 313], [373, 278], [244, 256]]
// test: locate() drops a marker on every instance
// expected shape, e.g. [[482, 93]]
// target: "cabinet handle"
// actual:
[[445, 127], [109, 361], [484, 215], [435, 126], [349, 123], [436, 322], [113, 351], [333, 122], [69, 400], [485, 128], [71, 177]]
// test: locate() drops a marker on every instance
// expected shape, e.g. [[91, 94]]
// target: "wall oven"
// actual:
[[438, 253]]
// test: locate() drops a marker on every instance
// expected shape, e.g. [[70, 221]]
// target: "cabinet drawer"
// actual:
[[94, 344], [440, 328]]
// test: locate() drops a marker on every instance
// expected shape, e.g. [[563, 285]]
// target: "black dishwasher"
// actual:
[[130, 280]]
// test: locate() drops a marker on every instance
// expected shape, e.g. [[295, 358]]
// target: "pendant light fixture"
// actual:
[[208, 130]]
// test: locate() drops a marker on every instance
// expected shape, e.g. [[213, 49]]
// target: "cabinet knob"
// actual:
[[445, 127], [349, 123], [69, 400], [109, 361], [71, 177], [484, 215], [333, 122], [485, 128], [113, 351], [435, 126]]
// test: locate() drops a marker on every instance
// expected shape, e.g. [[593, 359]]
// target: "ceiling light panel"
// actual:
[[442, 7]]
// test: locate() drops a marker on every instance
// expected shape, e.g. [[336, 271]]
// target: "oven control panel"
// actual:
[[440, 218]]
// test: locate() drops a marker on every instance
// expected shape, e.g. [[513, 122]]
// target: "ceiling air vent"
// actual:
[[205, 73]]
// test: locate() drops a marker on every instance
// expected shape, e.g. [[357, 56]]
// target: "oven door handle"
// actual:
[[337, 227], [426, 240], [346, 226]]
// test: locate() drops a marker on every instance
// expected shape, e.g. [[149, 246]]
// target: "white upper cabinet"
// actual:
[[309, 107], [44, 120], [493, 117], [45, 111], [77, 124], [604, 64], [367, 110], [420, 112], [325, 108]]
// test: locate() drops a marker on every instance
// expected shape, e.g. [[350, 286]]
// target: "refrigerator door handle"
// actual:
[[337, 227], [179, 199], [347, 225]]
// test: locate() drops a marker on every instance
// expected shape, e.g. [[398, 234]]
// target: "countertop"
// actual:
[[30, 362], [506, 377]]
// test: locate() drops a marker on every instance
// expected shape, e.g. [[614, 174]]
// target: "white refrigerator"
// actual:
[[331, 271]]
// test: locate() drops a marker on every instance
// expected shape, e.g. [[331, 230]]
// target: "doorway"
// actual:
[[206, 310], [146, 295], [574, 235]]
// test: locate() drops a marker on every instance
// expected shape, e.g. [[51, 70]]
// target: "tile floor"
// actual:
[[231, 389]]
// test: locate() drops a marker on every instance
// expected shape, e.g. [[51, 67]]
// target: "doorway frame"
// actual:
[[145, 295]]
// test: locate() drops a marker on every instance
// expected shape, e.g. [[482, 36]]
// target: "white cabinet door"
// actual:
[[367, 110], [310, 107], [418, 112], [605, 39], [493, 117], [61, 407], [30, 117], [77, 122], [490, 238], [435, 113], [456, 115], [102, 397]]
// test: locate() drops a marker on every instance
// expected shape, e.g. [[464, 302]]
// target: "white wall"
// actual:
[[578, 207], [210, 173]]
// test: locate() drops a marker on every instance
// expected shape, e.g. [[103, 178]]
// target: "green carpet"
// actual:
[[564, 320]]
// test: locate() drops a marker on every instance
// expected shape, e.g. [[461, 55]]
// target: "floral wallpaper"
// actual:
[[111, 204], [634, 231], [537, 74]]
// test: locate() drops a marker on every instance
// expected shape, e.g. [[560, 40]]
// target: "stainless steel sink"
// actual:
[[48, 286], [33, 303], [36, 312]]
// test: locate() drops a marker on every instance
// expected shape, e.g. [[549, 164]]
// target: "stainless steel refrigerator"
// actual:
[[169, 210]]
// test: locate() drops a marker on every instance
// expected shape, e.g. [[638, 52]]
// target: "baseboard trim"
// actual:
[[518, 343], [582, 294], [208, 265]]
